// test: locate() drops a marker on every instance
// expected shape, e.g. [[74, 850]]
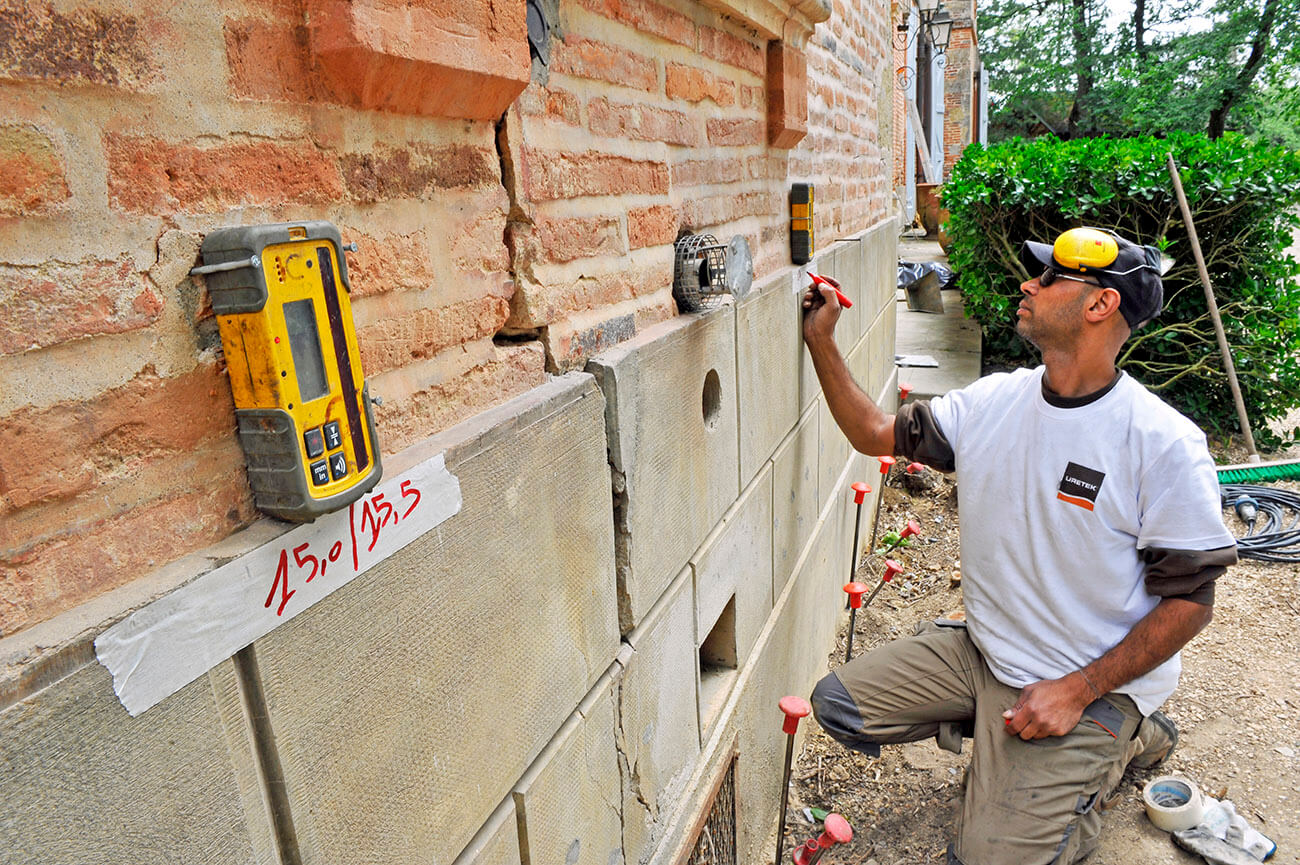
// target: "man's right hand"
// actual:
[[821, 310]]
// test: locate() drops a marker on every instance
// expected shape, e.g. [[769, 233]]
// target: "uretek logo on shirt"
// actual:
[[1079, 485]]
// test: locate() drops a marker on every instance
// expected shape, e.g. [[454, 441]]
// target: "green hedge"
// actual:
[[1243, 198]]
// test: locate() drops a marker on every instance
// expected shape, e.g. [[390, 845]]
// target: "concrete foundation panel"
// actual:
[[832, 452], [658, 727], [570, 800], [672, 422], [497, 842], [407, 704], [768, 337], [795, 499], [82, 781]]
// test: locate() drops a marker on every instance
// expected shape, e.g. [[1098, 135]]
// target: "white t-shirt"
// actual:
[[1055, 504]]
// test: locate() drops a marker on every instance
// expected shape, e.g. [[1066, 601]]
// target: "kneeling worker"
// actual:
[[1091, 537]]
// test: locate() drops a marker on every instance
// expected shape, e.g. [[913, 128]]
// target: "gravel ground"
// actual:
[[1237, 707]]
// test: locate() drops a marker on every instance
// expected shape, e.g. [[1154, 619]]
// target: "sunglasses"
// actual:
[[1050, 276]]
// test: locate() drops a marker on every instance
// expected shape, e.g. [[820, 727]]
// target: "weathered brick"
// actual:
[[416, 170], [735, 132], [464, 60], [507, 372], [698, 172], [647, 16], [57, 452], [90, 45], [389, 262], [270, 60], [146, 175], [732, 50], [643, 122], [565, 239], [553, 103], [787, 95], [721, 209], [56, 302], [64, 573], [587, 58], [31, 172], [652, 226], [554, 174], [692, 84], [399, 340], [479, 246]]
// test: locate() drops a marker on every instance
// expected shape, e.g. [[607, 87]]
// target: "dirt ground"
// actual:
[[1237, 708]]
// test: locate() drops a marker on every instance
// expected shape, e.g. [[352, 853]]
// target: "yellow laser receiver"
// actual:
[[801, 223], [1085, 249], [280, 293]]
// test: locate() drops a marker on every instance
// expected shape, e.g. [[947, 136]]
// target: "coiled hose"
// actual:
[[1272, 518]]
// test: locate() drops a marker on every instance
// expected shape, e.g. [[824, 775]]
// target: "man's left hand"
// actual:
[[1048, 708]]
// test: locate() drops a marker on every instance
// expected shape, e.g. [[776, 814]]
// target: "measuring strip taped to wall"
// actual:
[[161, 648]]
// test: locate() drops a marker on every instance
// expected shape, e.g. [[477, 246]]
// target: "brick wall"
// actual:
[[959, 87], [505, 231]]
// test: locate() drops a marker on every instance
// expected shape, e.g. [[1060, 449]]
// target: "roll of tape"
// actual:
[[1173, 803]]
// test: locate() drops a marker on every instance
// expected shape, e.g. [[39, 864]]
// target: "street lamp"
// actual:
[[940, 29]]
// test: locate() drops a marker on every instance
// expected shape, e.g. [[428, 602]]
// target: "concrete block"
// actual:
[[733, 584], [497, 842], [658, 726], [880, 265], [833, 451], [879, 369], [82, 781], [768, 339], [795, 499], [845, 266], [671, 419], [407, 704], [570, 800]]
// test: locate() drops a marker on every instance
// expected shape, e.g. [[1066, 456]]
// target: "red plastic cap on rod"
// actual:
[[838, 831], [794, 708], [886, 463], [892, 569], [912, 529], [860, 491], [855, 592], [903, 390], [915, 468]]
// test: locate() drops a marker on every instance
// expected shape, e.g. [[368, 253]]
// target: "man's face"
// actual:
[[1051, 316]]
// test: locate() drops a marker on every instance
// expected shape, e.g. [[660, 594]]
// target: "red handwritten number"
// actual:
[[383, 507], [407, 492], [302, 560], [368, 521], [282, 583]]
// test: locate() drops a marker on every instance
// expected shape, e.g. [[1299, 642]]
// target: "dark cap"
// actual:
[[1133, 271]]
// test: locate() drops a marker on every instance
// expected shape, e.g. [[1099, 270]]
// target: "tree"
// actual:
[[1074, 69]]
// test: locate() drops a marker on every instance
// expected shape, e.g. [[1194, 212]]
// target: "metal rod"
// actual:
[[848, 652], [785, 796], [1214, 311], [853, 553], [204, 269]]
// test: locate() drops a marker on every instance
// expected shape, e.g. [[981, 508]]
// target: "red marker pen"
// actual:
[[839, 295]]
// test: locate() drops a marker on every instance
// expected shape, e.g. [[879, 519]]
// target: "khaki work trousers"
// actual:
[[1026, 802]]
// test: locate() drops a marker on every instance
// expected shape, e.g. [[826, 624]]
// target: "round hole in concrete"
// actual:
[[712, 399]]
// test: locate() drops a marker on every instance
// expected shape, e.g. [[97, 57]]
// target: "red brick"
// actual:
[[31, 172], [652, 226], [647, 16], [389, 262], [270, 60], [732, 50], [586, 58], [466, 60], [698, 172], [643, 122], [553, 103], [567, 239], [146, 175], [37, 42], [721, 209], [56, 302], [57, 452], [397, 341], [735, 132], [696, 85], [551, 175], [787, 95], [479, 246], [513, 370], [417, 170], [64, 573]]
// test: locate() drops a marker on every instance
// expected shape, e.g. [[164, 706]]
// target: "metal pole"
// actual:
[[1214, 311]]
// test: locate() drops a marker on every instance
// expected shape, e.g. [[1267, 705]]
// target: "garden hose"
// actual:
[[1272, 518]]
